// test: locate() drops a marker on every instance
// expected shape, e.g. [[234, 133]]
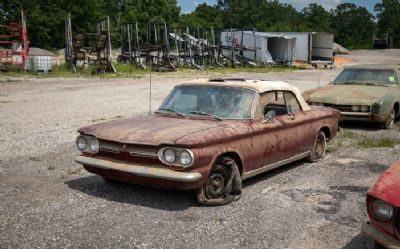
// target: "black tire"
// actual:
[[378, 246], [318, 150], [223, 186], [390, 122]]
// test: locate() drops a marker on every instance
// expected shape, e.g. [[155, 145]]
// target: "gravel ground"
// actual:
[[49, 201]]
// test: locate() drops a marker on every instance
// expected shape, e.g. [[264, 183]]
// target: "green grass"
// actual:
[[51, 167], [372, 143], [73, 171], [347, 134], [131, 71]]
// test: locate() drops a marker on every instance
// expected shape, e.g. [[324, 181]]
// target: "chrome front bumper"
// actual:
[[140, 170], [380, 237], [363, 116]]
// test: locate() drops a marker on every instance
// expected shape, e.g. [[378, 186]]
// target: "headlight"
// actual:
[[365, 108], [176, 156], [355, 108], [381, 210], [169, 155], [81, 142], [185, 158], [94, 145]]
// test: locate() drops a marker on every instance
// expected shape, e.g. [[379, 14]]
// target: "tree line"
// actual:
[[353, 26]]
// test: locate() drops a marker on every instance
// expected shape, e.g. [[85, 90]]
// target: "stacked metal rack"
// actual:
[[14, 45], [164, 49], [93, 49]]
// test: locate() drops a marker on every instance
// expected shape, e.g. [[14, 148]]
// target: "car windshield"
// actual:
[[218, 102], [367, 76]]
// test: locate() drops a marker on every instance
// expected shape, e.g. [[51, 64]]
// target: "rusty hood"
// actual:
[[387, 187], [151, 130], [349, 94]]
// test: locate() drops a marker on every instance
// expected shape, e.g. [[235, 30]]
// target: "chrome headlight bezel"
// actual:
[[355, 108], [376, 206], [169, 155], [92, 144], [365, 108], [179, 152], [82, 139]]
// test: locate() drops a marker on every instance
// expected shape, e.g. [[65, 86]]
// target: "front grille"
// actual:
[[342, 108], [133, 150]]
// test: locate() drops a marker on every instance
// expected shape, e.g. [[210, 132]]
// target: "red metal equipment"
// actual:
[[14, 45]]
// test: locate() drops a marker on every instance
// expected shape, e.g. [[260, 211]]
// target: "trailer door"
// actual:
[[322, 48]]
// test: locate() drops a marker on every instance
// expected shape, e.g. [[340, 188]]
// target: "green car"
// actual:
[[362, 93]]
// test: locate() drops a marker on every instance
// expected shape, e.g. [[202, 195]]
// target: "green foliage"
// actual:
[[204, 16], [388, 19], [353, 26], [316, 18]]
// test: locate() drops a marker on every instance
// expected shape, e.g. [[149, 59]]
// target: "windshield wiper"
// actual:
[[170, 110], [360, 83], [206, 114]]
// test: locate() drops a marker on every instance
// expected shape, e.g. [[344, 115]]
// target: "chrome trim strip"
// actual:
[[139, 170], [361, 114], [142, 153], [380, 237], [274, 165], [111, 150]]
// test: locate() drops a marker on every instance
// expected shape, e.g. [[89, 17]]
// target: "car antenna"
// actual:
[[151, 69]]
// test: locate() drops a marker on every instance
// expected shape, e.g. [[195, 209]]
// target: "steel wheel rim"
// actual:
[[319, 147], [391, 120], [215, 185]]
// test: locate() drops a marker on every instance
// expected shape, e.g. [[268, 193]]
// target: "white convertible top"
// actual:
[[260, 86]]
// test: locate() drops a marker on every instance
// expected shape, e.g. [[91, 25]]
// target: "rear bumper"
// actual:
[[382, 238], [362, 116], [147, 175]]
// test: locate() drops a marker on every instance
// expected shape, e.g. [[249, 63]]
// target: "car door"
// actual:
[[296, 123], [271, 139]]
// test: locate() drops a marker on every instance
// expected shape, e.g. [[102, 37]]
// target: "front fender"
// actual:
[[384, 105]]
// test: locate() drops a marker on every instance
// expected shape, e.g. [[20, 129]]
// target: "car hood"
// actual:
[[349, 94], [151, 130], [388, 185]]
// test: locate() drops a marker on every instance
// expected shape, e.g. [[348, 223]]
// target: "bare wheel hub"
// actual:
[[215, 185]]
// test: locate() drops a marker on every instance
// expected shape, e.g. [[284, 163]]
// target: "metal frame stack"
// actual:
[[15, 41], [164, 49], [92, 49]]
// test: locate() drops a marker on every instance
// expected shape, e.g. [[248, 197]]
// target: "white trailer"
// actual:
[[312, 47], [265, 48]]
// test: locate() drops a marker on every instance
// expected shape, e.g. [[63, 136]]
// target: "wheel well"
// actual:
[[327, 132], [396, 107], [235, 157]]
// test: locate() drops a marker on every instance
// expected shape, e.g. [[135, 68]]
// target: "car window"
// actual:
[[272, 104], [364, 76], [220, 101], [292, 104]]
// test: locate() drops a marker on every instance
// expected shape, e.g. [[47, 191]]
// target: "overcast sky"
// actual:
[[190, 5]]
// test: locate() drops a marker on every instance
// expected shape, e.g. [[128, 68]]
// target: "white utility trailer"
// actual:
[[260, 47], [312, 47]]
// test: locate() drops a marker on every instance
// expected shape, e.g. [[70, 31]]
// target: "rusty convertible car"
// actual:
[[383, 206], [209, 135], [362, 93]]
